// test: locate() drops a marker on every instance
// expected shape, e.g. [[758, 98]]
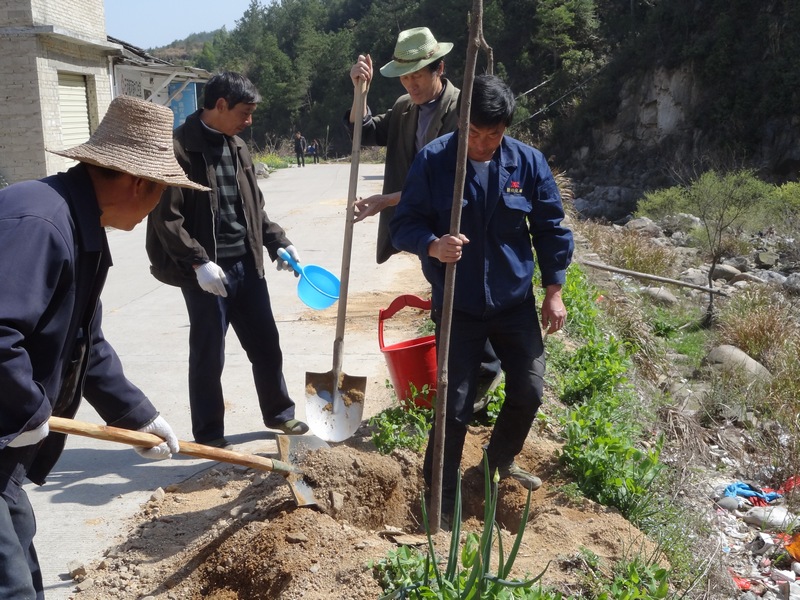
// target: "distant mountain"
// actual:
[[186, 51]]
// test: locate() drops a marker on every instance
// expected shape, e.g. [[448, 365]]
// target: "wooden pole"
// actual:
[[443, 344], [639, 275]]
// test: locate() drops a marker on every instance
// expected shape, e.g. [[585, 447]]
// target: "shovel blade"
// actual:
[[334, 414], [293, 449]]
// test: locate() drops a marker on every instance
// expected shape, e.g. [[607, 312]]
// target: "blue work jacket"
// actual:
[[521, 212]]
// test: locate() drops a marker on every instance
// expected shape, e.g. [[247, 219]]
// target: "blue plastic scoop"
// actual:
[[318, 288]]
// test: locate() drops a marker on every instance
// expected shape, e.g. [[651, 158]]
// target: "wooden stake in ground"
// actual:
[[443, 346]]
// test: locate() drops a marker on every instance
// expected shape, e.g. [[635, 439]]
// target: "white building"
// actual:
[[59, 71]]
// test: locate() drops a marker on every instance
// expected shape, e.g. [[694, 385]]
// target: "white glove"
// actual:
[[31, 437], [284, 265], [161, 428], [212, 278]]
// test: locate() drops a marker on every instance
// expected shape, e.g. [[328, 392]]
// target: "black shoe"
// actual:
[[218, 443]]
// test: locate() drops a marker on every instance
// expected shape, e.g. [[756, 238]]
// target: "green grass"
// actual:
[[272, 160]]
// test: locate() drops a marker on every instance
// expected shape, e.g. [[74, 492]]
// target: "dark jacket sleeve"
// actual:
[[35, 275], [551, 239], [118, 401]]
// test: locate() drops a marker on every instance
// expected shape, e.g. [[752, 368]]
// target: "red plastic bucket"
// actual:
[[412, 362]]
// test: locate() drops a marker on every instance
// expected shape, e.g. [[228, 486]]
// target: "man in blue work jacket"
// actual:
[[511, 207]]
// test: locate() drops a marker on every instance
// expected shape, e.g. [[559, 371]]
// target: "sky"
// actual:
[[155, 23]]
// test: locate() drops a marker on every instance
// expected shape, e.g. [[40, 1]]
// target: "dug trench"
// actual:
[[234, 533]]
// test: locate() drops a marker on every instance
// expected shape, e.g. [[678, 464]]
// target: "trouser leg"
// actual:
[[207, 327], [251, 317], [517, 339], [490, 364], [20, 574]]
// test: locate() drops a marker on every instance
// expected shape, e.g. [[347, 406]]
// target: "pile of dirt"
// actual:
[[234, 533]]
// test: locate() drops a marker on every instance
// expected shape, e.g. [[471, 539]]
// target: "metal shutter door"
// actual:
[[73, 106]]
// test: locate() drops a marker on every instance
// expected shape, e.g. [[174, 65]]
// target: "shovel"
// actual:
[[289, 451], [335, 400]]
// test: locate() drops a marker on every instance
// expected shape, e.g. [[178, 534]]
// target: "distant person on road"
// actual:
[[53, 267], [511, 207], [300, 149], [211, 246], [313, 150], [428, 109]]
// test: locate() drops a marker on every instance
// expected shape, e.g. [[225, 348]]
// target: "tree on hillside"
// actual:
[[724, 203]]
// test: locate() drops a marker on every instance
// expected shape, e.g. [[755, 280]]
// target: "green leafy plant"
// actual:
[[580, 299], [597, 367], [608, 467], [402, 426], [635, 580], [488, 416]]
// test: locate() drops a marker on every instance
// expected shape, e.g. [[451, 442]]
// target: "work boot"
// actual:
[[486, 385], [513, 470], [290, 427]]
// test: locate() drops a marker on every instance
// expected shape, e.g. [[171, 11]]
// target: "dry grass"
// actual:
[[761, 322], [629, 250], [764, 324], [631, 326]]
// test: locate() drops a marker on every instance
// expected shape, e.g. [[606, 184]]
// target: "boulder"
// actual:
[[731, 358], [792, 283], [645, 227], [660, 296], [725, 272], [694, 276]]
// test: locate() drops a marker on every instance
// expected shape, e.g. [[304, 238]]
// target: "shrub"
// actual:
[[783, 208], [630, 250], [272, 160], [758, 321]]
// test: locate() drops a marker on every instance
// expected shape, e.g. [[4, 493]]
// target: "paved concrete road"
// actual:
[[84, 507]]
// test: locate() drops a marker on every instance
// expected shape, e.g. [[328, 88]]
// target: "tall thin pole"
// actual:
[[443, 344]]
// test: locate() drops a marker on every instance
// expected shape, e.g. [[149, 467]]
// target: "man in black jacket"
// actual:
[[211, 246], [300, 149]]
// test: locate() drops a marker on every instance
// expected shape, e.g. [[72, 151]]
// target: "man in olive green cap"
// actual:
[[428, 109]]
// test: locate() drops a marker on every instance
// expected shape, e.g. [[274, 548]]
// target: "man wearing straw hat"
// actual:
[[52, 350], [428, 109], [211, 244]]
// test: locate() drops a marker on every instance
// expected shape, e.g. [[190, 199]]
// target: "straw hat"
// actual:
[[134, 137], [415, 48]]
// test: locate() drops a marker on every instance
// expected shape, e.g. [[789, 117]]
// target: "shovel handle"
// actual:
[[148, 440]]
